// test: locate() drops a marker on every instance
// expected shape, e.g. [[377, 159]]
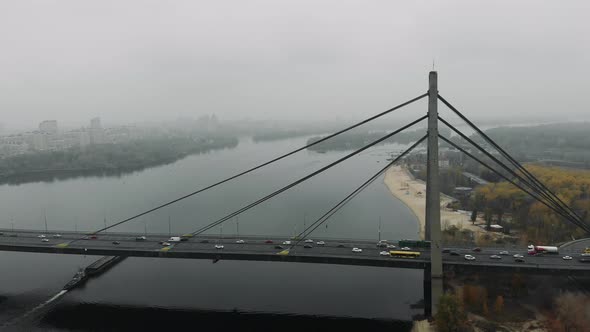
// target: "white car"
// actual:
[[384, 253], [567, 258], [518, 256], [495, 257], [240, 241], [321, 243], [391, 246], [41, 236], [287, 242], [504, 253], [44, 240], [219, 246], [357, 250], [406, 249], [469, 257], [166, 244], [56, 235], [308, 241]]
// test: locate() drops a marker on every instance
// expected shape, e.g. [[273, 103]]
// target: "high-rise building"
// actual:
[[48, 127], [96, 132], [95, 123]]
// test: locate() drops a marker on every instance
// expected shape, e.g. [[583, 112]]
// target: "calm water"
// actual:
[[174, 287]]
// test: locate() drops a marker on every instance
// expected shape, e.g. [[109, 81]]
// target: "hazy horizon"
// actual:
[[327, 61]]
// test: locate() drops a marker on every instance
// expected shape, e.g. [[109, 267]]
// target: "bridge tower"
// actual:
[[433, 276]]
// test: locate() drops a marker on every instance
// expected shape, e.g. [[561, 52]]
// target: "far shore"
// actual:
[[412, 193]]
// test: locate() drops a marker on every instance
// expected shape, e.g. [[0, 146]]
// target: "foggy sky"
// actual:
[[137, 60]]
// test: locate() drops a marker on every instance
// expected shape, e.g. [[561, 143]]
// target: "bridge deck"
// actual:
[[255, 248]]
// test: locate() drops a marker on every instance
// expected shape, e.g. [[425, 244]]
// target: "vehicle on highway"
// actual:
[[414, 243], [93, 237], [469, 257], [41, 236], [406, 248], [391, 246], [519, 260], [533, 250], [287, 242], [584, 259], [85, 238], [240, 241], [518, 256], [321, 243], [357, 250], [477, 249], [404, 254], [204, 241], [308, 246], [446, 251], [504, 253], [454, 253], [166, 244], [1, 233], [268, 241], [44, 240], [219, 246], [587, 251], [56, 235], [567, 258], [174, 239], [384, 253], [116, 242], [184, 238], [341, 246], [279, 247], [381, 244], [13, 235], [308, 241], [140, 238], [495, 257]]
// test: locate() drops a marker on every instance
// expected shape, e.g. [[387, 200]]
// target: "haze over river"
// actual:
[[263, 287]]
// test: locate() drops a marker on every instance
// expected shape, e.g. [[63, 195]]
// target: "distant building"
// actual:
[[48, 127], [96, 133]]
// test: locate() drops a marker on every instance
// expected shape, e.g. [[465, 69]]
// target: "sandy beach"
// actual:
[[412, 192]]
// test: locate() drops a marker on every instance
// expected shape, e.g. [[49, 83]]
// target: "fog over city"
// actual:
[[140, 61]]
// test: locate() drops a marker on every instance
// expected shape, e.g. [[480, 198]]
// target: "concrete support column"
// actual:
[[433, 231]]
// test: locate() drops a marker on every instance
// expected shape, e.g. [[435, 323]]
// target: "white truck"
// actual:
[[534, 250]]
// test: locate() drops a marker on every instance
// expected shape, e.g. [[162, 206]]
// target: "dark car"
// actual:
[[584, 259], [116, 242], [93, 237], [307, 246], [279, 247], [341, 246], [183, 238], [477, 249], [268, 241], [519, 260], [446, 251], [454, 253], [204, 241]]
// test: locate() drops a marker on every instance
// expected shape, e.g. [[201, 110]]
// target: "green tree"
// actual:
[[450, 316]]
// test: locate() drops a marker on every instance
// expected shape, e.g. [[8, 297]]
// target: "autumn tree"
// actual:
[[450, 317], [499, 305]]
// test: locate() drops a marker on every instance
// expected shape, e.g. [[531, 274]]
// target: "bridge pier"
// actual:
[[432, 229]]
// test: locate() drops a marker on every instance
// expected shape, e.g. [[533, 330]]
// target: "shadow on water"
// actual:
[[76, 316]]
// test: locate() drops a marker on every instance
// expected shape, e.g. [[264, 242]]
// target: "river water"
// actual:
[[267, 293]]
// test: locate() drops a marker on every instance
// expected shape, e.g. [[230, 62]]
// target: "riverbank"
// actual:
[[412, 193]]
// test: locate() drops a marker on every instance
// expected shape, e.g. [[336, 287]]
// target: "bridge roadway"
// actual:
[[256, 248]]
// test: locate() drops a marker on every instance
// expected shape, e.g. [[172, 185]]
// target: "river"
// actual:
[[267, 293]]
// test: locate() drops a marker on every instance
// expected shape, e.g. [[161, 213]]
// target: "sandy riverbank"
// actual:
[[412, 192]]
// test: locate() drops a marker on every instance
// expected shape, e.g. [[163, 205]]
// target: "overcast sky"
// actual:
[[129, 61]]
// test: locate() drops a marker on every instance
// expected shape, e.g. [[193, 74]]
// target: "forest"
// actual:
[[109, 157]]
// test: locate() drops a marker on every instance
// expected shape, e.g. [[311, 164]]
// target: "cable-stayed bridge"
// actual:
[[335, 251]]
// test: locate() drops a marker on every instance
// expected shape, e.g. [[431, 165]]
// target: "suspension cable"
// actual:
[[575, 222], [507, 156], [509, 170], [289, 186], [352, 195]]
